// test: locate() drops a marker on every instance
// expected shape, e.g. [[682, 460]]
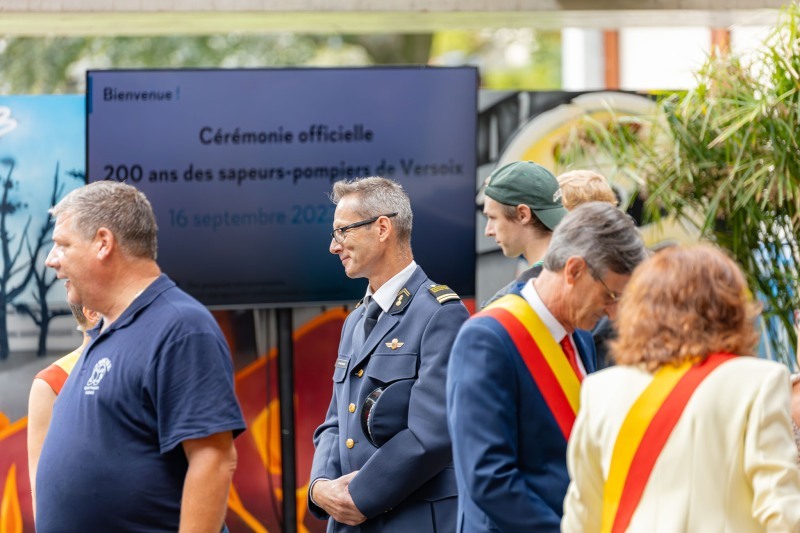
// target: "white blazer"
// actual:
[[728, 466]]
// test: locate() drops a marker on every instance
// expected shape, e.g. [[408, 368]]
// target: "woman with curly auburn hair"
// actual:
[[687, 432], [689, 303]]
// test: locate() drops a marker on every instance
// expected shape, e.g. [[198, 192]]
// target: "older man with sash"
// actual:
[[515, 371]]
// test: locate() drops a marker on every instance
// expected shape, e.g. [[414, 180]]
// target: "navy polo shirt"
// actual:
[[112, 459]]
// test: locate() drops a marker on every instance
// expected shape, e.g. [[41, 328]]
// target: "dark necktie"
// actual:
[[371, 317], [569, 351]]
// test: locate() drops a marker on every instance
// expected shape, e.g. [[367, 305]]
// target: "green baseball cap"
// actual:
[[528, 183]]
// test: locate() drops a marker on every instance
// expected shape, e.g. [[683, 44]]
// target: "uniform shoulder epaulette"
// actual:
[[443, 293]]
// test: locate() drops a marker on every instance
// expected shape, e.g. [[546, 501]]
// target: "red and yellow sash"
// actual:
[[56, 374], [643, 434], [546, 362]]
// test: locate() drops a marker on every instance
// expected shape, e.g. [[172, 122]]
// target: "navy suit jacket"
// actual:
[[406, 482], [509, 453]]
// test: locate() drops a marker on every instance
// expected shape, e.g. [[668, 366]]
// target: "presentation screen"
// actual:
[[238, 165]]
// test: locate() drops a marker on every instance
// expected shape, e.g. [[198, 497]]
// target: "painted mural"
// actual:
[[255, 500], [41, 159]]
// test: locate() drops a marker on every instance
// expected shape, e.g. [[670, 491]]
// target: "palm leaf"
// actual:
[[725, 156]]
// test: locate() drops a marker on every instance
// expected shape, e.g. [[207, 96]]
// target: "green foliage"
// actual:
[[447, 41], [57, 65], [392, 49], [536, 65], [725, 157]]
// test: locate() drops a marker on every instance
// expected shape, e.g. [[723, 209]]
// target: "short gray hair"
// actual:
[[121, 208], [605, 237], [379, 196]]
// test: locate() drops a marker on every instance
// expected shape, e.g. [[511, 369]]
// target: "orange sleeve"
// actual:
[[56, 374], [53, 375]]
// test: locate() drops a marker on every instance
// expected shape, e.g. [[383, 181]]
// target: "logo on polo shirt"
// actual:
[[99, 372]]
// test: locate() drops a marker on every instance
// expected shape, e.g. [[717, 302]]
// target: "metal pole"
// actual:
[[286, 398]]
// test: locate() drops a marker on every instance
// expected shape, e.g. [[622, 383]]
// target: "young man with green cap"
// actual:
[[523, 206]]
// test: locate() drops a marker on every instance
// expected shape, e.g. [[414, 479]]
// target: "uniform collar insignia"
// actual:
[[401, 301]]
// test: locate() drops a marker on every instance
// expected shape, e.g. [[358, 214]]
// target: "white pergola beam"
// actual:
[[159, 17]]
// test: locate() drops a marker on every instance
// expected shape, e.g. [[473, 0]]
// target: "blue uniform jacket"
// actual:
[[406, 482], [509, 452]]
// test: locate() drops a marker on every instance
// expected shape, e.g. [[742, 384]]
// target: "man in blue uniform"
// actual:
[[141, 437], [514, 375], [383, 459]]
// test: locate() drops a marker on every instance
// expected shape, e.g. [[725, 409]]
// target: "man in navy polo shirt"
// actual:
[[142, 434]]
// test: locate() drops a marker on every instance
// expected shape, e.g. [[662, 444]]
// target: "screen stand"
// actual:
[[286, 398]]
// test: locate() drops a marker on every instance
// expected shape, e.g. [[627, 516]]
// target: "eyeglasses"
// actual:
[[339, 234], [612, 296]]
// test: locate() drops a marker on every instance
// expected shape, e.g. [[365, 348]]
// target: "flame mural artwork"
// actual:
[[254, 502]]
